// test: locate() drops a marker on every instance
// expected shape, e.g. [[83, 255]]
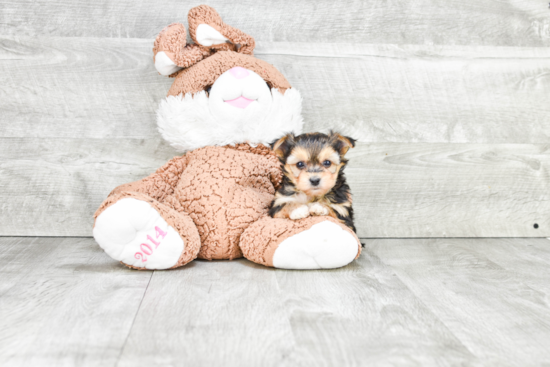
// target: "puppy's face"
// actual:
[[312, 162]]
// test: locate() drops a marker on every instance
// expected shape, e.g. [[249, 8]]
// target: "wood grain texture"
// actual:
[[450, 190], [52, 187], [389, 93], [63, 302], [425, 302], [481, 292], [211, 314], [362, 315], [99, 88], [532, 263], [241, 314], [90, 88], [482, 22]]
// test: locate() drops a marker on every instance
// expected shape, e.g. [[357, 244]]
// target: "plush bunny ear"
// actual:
[[207, 29], [207, 36], [171, 52], [168, 41]]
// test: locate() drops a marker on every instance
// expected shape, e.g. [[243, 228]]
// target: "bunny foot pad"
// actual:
[[325, 245], [133, 232]]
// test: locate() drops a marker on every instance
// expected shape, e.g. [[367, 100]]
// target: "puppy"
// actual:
[[313, 181]]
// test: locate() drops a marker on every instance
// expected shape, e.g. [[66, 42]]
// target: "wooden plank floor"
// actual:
[[426, 302]]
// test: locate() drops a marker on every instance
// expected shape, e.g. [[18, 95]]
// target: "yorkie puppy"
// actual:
[[313, 181]]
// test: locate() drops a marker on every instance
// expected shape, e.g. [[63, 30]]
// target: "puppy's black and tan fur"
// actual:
[[314, 182]]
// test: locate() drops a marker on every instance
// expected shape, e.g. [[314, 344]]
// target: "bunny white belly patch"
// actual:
[[133, 232]]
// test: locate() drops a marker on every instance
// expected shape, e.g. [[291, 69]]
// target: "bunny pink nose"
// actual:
[[239, 72]]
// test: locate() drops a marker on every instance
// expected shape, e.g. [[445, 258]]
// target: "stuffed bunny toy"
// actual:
[[223, 110]]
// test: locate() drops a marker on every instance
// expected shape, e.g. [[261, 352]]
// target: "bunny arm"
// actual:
[[159, 184]]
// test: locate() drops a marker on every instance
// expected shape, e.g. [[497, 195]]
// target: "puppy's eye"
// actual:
[[207, 89], [327, 163], [300, 165]]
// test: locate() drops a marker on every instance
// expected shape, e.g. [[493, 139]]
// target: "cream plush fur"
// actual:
[[187, 122]]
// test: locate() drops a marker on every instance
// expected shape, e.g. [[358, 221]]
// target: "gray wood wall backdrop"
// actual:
[[449, 99]]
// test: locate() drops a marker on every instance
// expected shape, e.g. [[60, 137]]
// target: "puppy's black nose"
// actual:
[[314, 181]]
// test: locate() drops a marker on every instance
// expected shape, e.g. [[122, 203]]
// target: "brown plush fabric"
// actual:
[[161, 183], [197, 77], [178, 220], [214, 60], [262, 238], [172, 40], [204, 14], [222, 189]]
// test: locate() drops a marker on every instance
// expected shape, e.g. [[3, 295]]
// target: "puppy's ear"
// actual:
[[282, 147], [341, 143]]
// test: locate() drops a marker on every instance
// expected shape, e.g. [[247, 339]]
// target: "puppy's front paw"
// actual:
[[300, 212], [317, 209]]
